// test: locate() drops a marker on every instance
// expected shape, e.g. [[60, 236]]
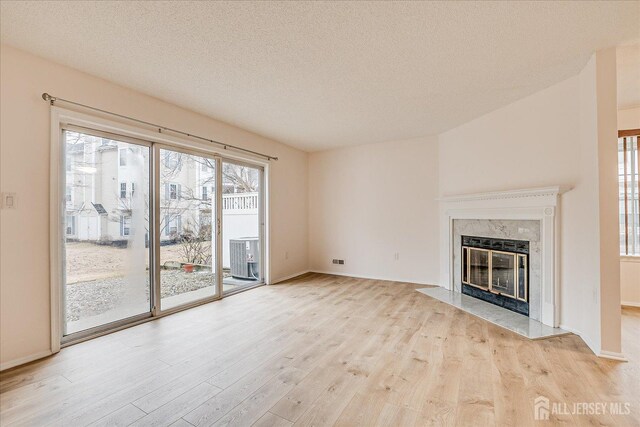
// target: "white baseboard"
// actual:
[[613, 356], [630, 304], [291, 276], [22, 360], [358, 276], [601, 353], [584, 338]]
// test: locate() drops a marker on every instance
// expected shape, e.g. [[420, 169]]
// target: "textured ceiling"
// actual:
[[317, 75]]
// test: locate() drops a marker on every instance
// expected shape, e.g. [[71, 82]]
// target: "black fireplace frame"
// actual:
[[503, 245]]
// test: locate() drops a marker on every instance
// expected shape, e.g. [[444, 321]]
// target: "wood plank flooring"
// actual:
[[320, 350]]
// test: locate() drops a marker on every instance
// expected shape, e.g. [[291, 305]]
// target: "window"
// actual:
[[89, 266], [121, 226], [172, 191], [125, 225], [628, 181], [241, 246]]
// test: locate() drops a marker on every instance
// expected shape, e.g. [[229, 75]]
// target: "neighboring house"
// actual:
[[107, 184], [93, 211]]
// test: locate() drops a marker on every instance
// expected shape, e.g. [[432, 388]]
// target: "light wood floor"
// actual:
[[320, 350]]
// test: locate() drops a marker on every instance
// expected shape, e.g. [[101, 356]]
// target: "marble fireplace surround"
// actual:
[[528, 214], [523, 229]]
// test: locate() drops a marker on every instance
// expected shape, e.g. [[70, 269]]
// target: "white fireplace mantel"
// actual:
[[541, 204]]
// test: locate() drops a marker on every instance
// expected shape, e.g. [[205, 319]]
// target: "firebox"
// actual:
[[496, 271]]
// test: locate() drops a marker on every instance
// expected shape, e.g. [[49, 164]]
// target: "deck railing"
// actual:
[[240, 202]]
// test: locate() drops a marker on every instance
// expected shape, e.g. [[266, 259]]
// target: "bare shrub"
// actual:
[[195, 244]]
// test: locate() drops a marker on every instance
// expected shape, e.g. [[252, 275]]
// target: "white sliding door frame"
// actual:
[[79, 335], [261, 220], [155, 139], [215, 255]]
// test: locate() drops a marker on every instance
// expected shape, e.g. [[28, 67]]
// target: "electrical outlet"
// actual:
[[396, 256], [341, 261], [335, 261], [9, 201]]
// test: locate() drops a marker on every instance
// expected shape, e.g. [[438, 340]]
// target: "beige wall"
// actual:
[[363, 204], [530, 143], [629, 118], [369, 203], [536, 142], [630, 282], [24, 164], [606, 119], [552, 138]]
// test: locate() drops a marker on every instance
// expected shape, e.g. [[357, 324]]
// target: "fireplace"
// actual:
[[526, 215], [496, 271]]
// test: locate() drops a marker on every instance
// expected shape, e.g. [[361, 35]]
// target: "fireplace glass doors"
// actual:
[[478, 267], [503, 273], [496, 270]]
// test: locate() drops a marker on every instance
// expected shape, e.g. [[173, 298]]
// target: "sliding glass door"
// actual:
[[187, 187], [106, 276], [241, 226], [144, 225]]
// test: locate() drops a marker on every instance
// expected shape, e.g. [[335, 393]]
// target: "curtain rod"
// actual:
[[51, 99]]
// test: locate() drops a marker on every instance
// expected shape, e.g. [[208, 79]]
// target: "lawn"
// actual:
[[97, 279], [88, 261]]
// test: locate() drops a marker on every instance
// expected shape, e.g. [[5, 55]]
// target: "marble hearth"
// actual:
[[514, 322]]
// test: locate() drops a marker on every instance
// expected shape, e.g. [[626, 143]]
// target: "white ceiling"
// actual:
[[317, 75]]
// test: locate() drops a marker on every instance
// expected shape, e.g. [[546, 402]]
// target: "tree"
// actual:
[[243, 178], [91, 170], [195, 244]]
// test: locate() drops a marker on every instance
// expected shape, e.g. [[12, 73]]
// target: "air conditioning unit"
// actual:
[[245, 258]]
